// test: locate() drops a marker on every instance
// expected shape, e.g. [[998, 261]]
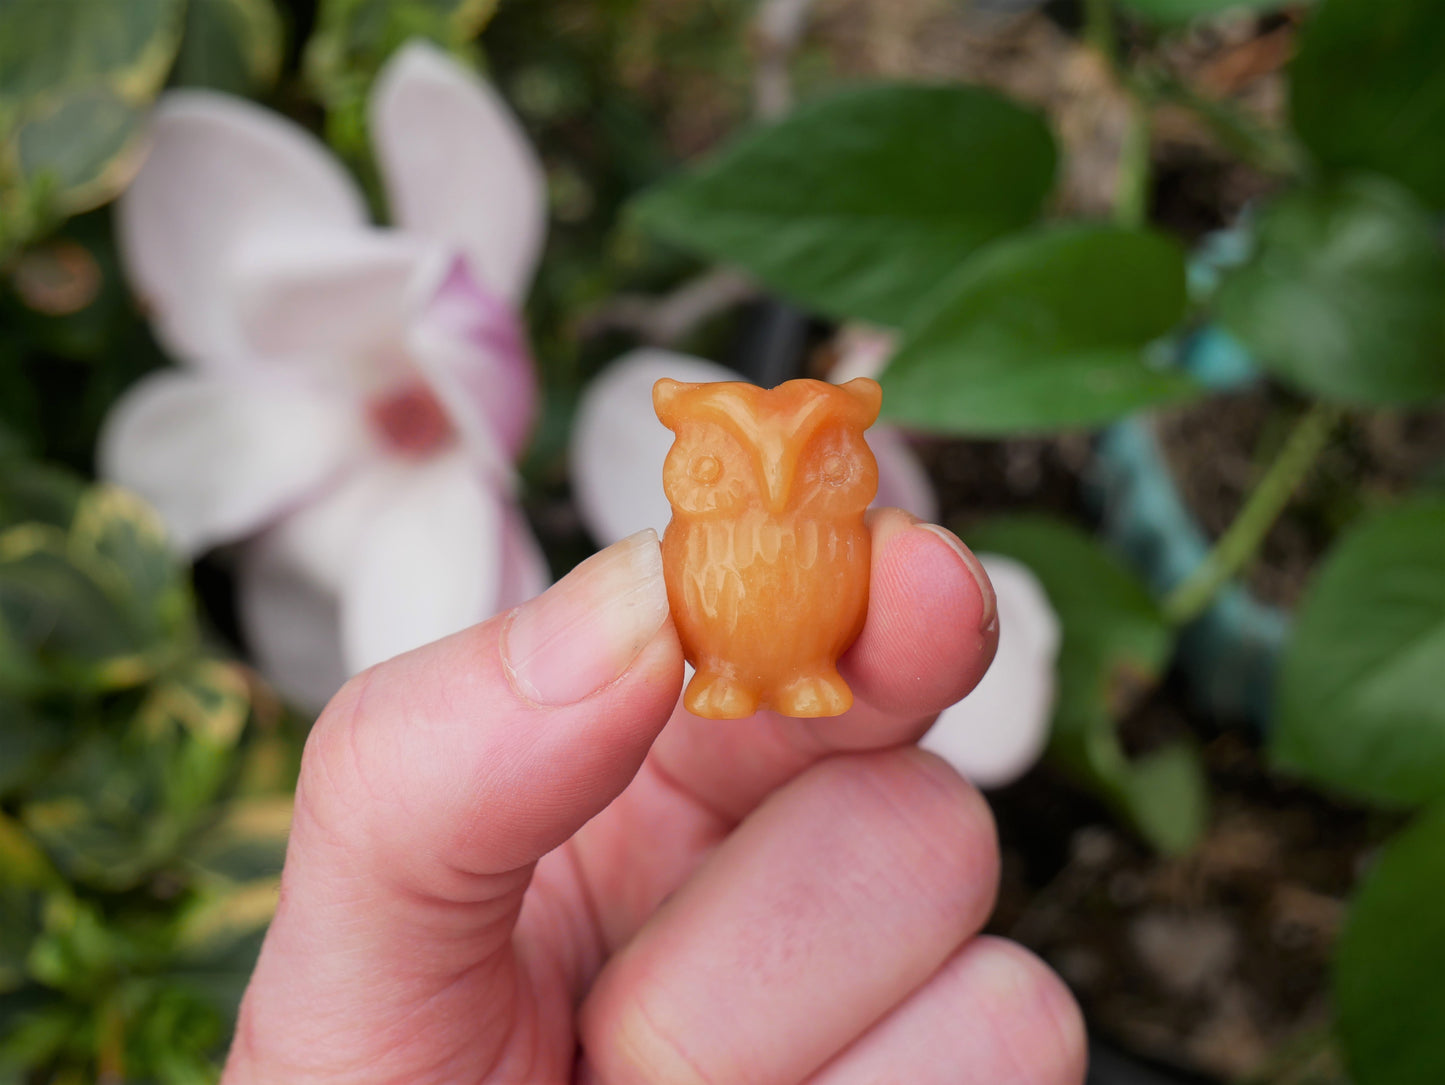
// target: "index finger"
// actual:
[[929, 636]]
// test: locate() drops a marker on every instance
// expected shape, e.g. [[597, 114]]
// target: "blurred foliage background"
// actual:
[[1168, 290]]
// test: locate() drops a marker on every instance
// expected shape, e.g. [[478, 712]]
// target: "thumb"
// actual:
[[429, 787]]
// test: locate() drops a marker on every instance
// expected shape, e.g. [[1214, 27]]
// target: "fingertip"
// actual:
[[932, 626], [1036, 1007]]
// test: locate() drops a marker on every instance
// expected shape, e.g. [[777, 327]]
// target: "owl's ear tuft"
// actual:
[[868, 395], [664, 399]]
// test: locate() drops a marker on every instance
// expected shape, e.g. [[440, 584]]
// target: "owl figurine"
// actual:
[[767, 556]]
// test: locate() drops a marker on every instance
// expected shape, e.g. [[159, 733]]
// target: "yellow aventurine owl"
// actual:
[[767, 556]]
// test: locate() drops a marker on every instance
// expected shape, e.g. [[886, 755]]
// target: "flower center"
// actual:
[[411, 421]]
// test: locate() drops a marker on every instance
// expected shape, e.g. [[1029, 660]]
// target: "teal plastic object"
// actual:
[[1229, 653]]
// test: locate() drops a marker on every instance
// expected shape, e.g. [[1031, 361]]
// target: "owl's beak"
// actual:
[[776, 476]]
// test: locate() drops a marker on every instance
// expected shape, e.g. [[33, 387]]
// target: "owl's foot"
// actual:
[[823, 694], [717, 698]]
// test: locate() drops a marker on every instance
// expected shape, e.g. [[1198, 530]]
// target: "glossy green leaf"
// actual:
[[1044, 331], [75, 81], [1387, 968], [1115, 647], [248, 844], [102, 605], [1360, 690], [230, 45], [59, 628], [1342, 296], [1174, 11], [1367, 90], [52, 45], [122, 540], [861, 204], [79, 148], [123, 802]]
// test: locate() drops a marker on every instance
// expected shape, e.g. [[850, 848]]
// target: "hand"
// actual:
[[509, 864]]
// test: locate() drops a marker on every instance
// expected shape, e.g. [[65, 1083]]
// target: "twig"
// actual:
[[664, 320]]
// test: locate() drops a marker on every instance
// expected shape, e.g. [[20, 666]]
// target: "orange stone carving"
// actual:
[[767, 556]]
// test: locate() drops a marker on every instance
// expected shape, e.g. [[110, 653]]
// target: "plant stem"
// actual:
[[1263, 148], [1099, 30], [1131, 191], [1241, 541]]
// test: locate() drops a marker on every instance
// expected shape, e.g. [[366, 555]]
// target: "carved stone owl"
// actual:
[[767, 556]]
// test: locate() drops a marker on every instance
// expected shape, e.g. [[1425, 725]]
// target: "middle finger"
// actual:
[[838, 897]]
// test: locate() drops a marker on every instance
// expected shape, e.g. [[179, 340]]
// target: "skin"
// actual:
[[483, 889]]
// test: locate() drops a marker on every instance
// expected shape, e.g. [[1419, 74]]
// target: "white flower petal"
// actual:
[[337, 303], [618, 445], [999, 730], [219, 458], [220, 169], [428, 563], [863, 351], [458, 167], [902, 481], [292, 626], [472, 348], [320, 539], [525, 572]]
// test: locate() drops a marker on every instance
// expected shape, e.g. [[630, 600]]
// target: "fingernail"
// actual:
[[989, 618], [586, 630]]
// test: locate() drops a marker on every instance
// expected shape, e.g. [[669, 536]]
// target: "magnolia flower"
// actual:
[[350, 398], [618, 447]]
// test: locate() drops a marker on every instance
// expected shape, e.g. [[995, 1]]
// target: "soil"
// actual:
[[1218, 449], [1213, 963]]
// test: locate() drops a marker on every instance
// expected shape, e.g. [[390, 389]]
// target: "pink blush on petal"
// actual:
[[494, 375], [411, 421]]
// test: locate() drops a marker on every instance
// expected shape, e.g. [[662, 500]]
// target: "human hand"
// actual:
[[506, 853]]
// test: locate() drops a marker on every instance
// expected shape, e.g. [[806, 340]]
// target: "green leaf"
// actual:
[[47, 46], [230, 45], [1367, 90], [1360, 706], [36, 1026], [37, 492], [125, 800], [75, 81], [1044, 331], [861, 204], [25, 874], [1342, 296], [1173, 11], [1115, 647], [59, 628], [122, 540], [1387, 967], [79, 148], [100, 606]]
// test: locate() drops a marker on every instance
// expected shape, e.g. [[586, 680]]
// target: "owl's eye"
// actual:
[[837, 469], [705, 469]]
